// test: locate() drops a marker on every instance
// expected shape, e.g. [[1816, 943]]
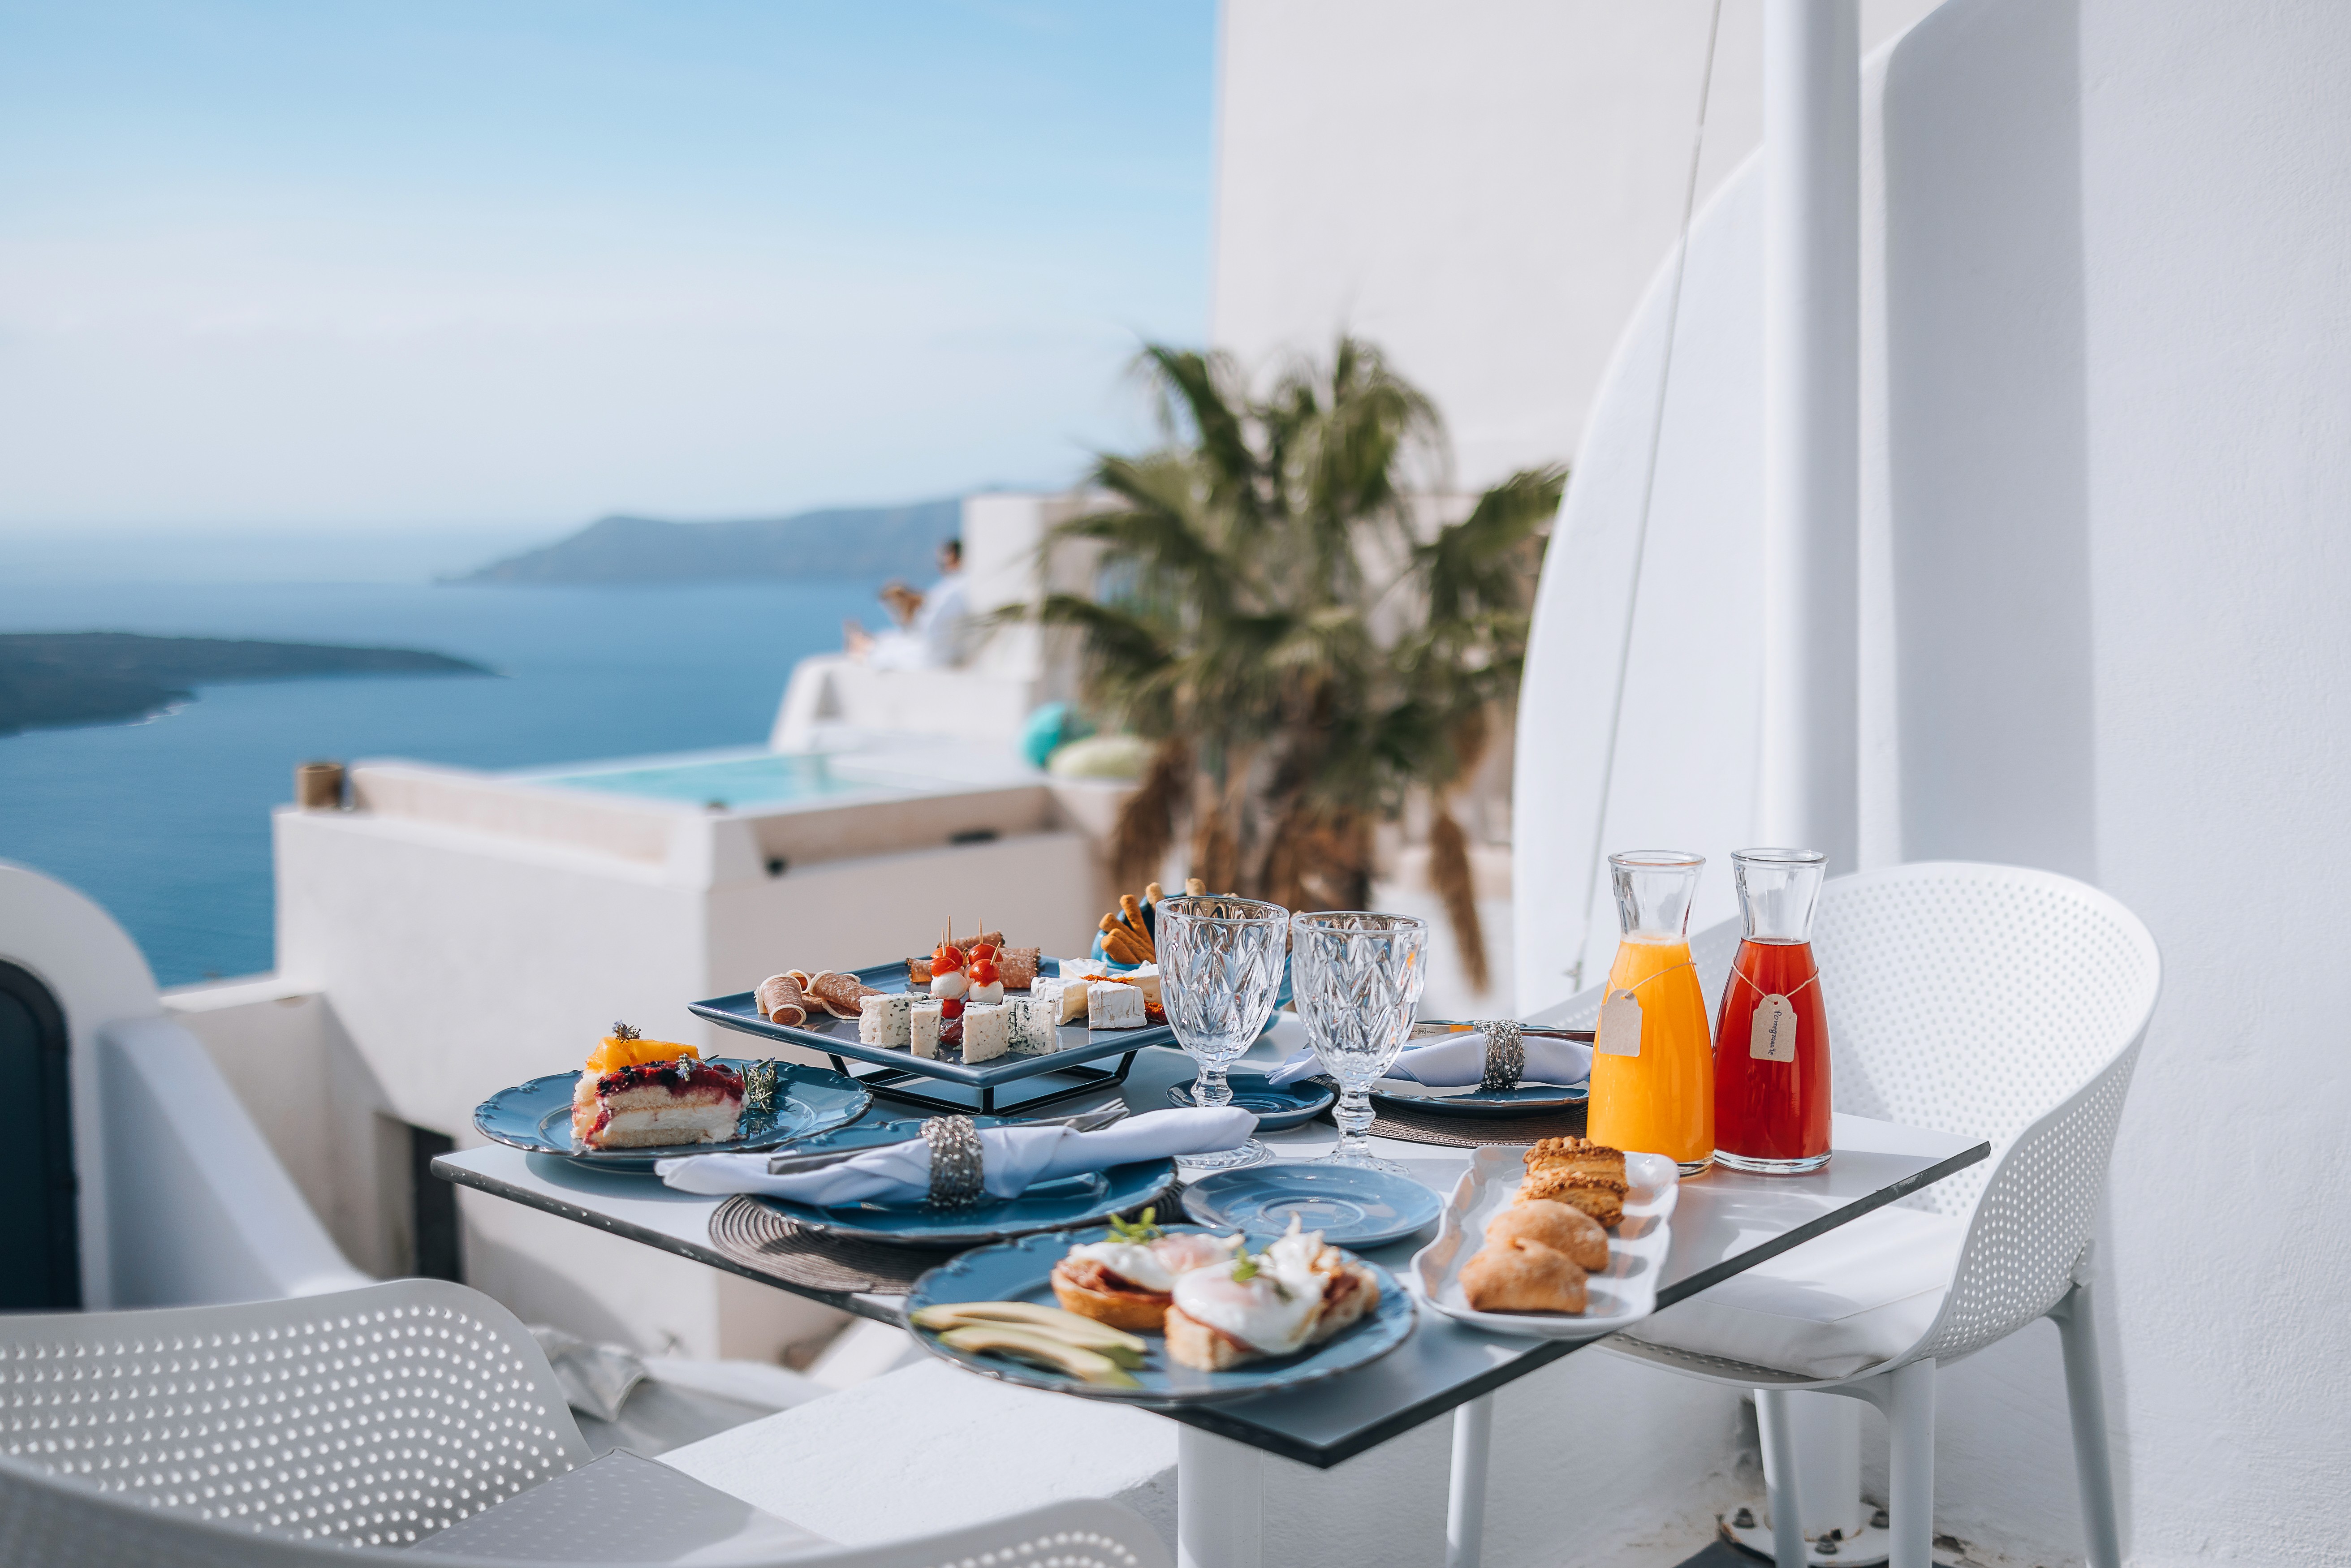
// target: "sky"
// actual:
[[498, 267]]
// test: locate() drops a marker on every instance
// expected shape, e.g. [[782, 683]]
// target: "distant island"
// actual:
[[844, 542], [52, 679]]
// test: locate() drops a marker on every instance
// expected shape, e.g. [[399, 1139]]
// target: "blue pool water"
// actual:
[[166, 823], [732, 781]]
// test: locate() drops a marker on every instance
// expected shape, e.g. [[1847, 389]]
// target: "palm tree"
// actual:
[[1304, 653]]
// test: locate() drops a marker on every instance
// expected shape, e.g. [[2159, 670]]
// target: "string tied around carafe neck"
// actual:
[[1783, 996], [1636, 985]]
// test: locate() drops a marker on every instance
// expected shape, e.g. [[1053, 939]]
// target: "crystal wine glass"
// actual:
[[1357, 977], [1219, 969]]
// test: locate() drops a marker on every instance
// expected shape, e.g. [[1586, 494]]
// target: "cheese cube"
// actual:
[[882, 1020], [1145, 978], [1112, 1005], [987, 1033], [1085, 970], [1035, 1021], [1071, 998], [924, 1020]]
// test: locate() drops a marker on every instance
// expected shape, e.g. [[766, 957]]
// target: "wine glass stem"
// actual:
[[1210, 1090], [1353, 1115]]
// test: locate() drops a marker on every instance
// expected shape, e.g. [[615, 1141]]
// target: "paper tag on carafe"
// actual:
[[1620, 1026], [1773, 1036]]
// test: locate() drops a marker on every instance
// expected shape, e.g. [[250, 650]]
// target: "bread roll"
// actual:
[[1563, 1228], [1522, 1276]]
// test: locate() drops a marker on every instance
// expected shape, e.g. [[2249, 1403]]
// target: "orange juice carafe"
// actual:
[[1653, 1064]]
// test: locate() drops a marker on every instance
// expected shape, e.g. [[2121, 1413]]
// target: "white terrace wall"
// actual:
[[2107, 435], [1483, 189]]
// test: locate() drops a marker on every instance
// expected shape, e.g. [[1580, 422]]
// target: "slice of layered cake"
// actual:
[[639, 1093]]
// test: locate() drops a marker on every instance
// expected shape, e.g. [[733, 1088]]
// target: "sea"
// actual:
[[166, 823]]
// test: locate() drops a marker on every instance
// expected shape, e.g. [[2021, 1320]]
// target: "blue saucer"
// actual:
[[1351, 1207], [1526, 1100], [537, 1116], [1275, 1105]]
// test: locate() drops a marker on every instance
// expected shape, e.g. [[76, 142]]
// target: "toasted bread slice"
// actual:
[[1193, 1343], [1133, 1311]]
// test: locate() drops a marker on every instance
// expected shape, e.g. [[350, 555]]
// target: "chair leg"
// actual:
[[1780, 1490], [1910, 1481], [1465, 1512], [1219, 1501], [2086, 1400]]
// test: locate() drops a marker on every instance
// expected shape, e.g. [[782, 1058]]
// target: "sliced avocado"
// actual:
[[1082, 1331], [1039, 1349]]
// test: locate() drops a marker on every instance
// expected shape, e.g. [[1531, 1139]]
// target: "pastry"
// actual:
[[1126, 1281], [987, 1032], [883, 1018], [638, 1093], [1564, 1229], [924, 1020], [781, 1001], [1577, 1155], [1519, 1275], [1295, 1293], [1596, 1195], [1112, 1005]]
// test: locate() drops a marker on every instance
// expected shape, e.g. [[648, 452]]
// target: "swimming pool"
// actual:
[[767, 779]]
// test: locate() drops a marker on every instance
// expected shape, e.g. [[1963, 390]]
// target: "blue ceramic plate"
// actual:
[[1275, 1105], [1350, 1207], [1019, 1270], [1085, 1200], [1526, 1100], [537, 1116]]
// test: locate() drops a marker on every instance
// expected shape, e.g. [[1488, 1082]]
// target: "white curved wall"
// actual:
[[98, 976], [2107, 438]]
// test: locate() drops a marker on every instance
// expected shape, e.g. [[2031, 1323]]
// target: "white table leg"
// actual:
[[1219, 1501], [1464, 1509]]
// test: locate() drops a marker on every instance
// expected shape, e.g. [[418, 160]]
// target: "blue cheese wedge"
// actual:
[[1035, 1021], [1112, 1004], [883, 1020], [924, 1020], [987, 1033]]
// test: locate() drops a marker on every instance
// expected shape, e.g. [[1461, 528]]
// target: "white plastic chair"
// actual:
[[359, 1426], [1988, 1001]]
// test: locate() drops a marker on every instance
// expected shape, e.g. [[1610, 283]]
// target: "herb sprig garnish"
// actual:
[[1248, 1269], [1140, 1230]]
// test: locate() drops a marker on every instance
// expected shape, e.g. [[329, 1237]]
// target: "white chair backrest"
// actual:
[[374, 1417], [1973, 998], [49, 1521]]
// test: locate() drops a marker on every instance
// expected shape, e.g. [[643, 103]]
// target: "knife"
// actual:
[[1092, 1121]]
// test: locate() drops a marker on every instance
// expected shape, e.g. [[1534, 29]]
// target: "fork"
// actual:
[[1092, 1121]]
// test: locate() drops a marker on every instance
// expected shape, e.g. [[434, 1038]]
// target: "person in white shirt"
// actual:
[[934, 639]]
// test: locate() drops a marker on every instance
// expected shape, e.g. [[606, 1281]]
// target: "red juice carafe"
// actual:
[[1771, 1032]]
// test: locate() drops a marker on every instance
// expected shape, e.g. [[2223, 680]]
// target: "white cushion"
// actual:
[[1860, 1295], [623, 1508]]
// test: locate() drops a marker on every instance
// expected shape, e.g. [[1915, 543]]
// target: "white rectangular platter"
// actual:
[[1625, 1294]]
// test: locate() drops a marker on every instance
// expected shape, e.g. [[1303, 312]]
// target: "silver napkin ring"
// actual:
[[1506, 1055], [958, 1166]]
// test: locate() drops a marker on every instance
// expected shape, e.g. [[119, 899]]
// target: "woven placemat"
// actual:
[[1474, 1132], [759, 1239]]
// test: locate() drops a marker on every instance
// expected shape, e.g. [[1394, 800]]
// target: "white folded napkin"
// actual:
[[1459, 1060], [1016, 1157]]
